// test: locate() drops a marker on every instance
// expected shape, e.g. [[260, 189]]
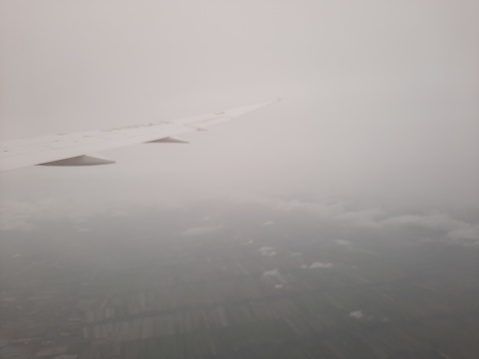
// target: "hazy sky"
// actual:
[[380, 97]]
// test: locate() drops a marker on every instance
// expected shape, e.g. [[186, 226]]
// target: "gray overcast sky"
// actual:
[[380, 97]]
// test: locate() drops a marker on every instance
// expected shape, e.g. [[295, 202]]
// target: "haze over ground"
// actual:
[[380, 99], [342, 222]]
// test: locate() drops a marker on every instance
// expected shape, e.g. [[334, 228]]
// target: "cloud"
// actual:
[[274, 277], [268, 254], [433, 221], [466, 234], [267, 251], [17, 216], [271, 273], [344, 243], [321, 265], [200, 230], [23, 216], [333, 212], [356, 314], [12, 223], [457, 231]]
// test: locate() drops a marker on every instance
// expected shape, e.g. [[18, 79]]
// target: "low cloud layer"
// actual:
[[267, 251], [200, 230], [358, 314], [344, 243], [271, 273], [23, 216], [456, 230], [321, 265]]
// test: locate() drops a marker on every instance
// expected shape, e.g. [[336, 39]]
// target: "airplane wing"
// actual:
[[79, 149]]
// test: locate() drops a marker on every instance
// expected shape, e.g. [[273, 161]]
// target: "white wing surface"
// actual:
[[79, 149]]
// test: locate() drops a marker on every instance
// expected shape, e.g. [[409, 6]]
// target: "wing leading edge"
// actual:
[[78, 149]]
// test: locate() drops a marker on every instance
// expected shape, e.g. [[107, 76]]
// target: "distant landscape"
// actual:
[[256, 278]]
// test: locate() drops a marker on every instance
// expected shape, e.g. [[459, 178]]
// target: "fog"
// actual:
[[379, 99], [340, 222]]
